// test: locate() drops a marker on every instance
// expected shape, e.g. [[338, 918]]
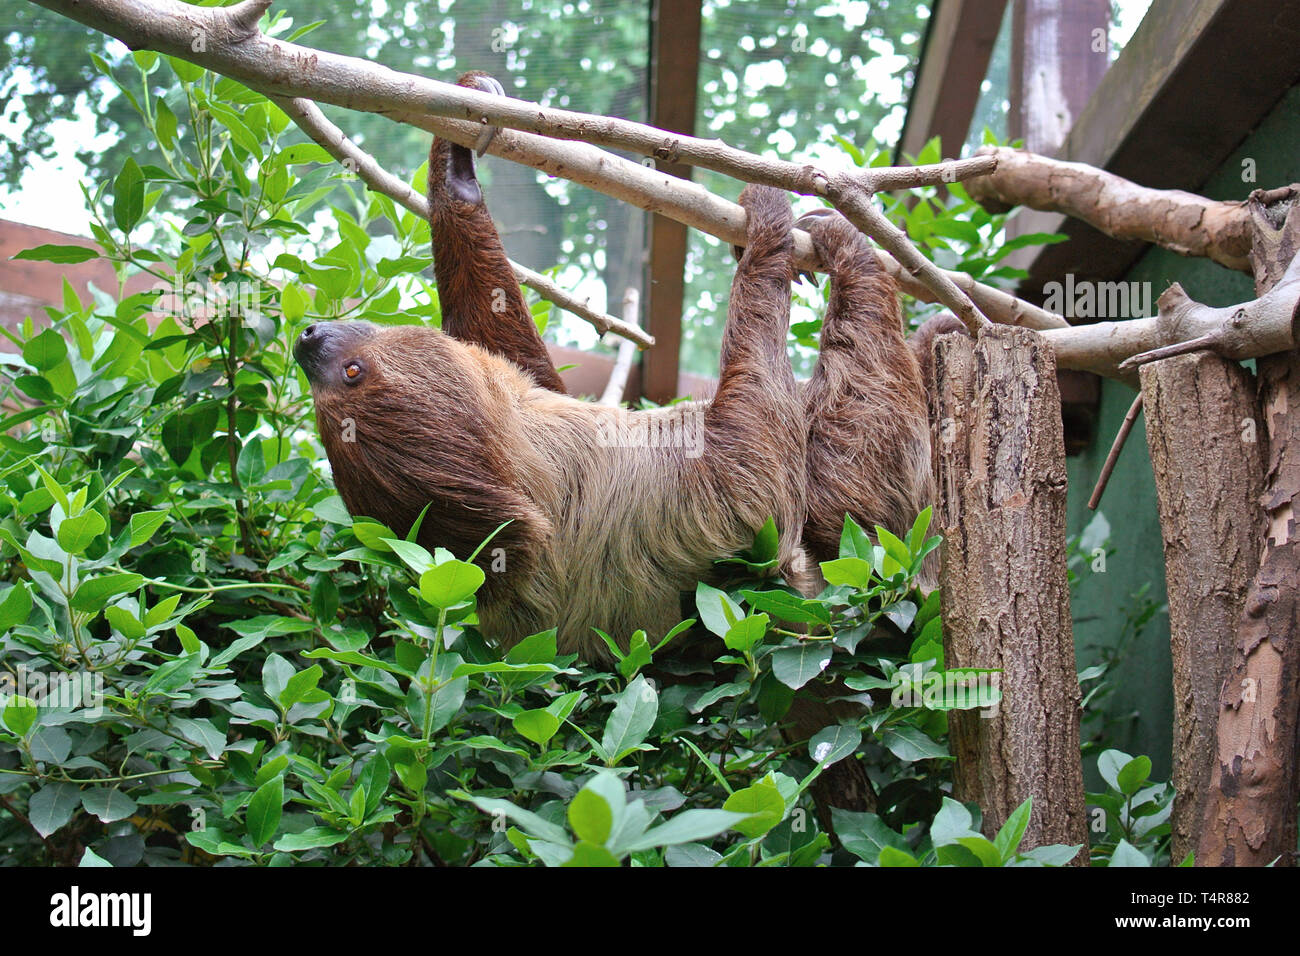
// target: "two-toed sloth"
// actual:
[[473, 422]]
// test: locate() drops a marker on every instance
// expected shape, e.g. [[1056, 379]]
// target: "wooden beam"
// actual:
[[958, 44], [1056, 65], [674, 76]]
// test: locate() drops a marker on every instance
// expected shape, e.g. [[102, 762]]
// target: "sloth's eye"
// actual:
[[352, 373]]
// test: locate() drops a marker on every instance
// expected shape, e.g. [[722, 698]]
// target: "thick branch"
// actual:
[[1263, 326], [315, 124], [1177, 220]]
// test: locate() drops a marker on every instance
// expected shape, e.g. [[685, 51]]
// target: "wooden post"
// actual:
[[1208, 463], [1250, 812], [1000, 461]]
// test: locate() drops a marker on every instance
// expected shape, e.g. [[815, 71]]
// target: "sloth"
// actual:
[[603, 517]]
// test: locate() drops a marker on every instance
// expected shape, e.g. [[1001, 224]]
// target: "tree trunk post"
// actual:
[[1250, 810], [1000, 462], [1208, 465]]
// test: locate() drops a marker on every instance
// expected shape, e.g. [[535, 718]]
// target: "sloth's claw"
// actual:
[[485, 84]]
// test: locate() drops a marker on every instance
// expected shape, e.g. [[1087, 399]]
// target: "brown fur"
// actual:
[[472, 422], [480, 297], [868, 430], [600, 536]]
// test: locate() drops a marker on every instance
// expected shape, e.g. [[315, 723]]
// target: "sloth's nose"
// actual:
[[308, 345]]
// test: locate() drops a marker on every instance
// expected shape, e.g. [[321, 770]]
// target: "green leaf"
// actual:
[[796, 666], [52, 806], [93, 593], [788, 607], [539, 648], [300, 685], [539, 726], [310, 839], [1109, 764], [45, 351], [745, 635], [634, 714], [865, 834], [982, 848], [15, 607], [765, 542], [68, 255], [590, 816], [126, 623], [144, 524], [107, 803], [1126, 854], [20, 715], [373, 535], [529, 822], [76, 533], [687, 827], [1008, 839], [851, 572], [262, 818], [834, 743], [1134, 775], [589, 855], [761, 806], [892, 856], [717, 611], [128, 196], [450, 583], [909, 744], [952, 822]]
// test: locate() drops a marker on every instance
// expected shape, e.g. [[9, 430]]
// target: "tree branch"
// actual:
[[218, 39], [1186, 223]]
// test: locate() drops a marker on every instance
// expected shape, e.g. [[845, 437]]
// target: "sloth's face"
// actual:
[[393, 380], [333, 353]]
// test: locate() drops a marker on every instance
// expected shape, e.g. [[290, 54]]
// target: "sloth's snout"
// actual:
[[307, 350]]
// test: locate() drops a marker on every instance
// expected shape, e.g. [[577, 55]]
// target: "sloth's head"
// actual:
[[360, 366], [409, 418], [387, 394]]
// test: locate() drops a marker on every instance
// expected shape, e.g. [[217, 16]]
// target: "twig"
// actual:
[[1121, 436], [617, 384]]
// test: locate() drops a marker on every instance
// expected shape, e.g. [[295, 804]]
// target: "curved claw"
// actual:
[[804, 222], [485, 84], [812, 215]]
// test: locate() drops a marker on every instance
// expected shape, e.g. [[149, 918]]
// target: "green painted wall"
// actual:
[[1139, 711]]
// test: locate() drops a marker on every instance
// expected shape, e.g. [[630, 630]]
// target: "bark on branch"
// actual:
[[1177, 220]]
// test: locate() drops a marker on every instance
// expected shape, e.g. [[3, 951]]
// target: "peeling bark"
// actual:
[[1000, 461], [1250, 814], [1183, 222], [1208, 464]]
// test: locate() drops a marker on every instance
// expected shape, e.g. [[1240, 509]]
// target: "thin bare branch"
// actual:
[[617, 384], [1116, 446]]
